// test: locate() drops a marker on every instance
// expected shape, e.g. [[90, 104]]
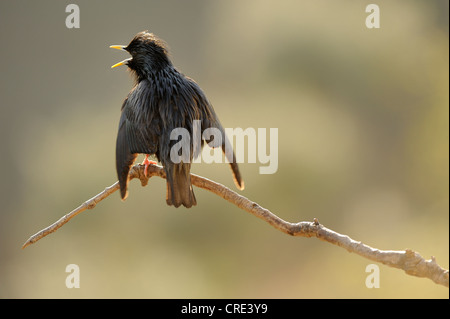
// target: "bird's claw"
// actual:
[[146, 163]]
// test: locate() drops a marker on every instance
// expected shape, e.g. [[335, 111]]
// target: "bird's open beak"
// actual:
[[119, 47]]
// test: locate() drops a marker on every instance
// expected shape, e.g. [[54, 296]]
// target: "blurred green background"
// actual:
[[363, 125]]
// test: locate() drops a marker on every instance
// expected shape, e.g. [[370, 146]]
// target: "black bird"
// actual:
[[162, 99]]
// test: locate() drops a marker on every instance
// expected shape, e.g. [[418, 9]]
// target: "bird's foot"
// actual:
[[146, 163]]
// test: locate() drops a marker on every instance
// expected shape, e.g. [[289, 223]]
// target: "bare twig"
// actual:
[[411, 262]]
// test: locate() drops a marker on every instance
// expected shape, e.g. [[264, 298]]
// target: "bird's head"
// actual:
[[148, 54]]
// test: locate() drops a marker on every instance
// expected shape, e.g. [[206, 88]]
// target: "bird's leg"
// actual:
[[146, 163]]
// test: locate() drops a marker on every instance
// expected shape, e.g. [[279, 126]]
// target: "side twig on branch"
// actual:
[[411, 262]]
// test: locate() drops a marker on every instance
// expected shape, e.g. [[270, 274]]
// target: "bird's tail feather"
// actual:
[[179, 188]]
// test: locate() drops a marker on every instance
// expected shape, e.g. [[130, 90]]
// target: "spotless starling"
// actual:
[[163, 99]]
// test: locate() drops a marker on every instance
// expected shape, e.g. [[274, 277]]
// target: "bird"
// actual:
[[163, 99]]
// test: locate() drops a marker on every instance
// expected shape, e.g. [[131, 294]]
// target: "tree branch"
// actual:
[[411, 262]]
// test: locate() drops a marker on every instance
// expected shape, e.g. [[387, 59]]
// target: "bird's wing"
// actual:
[[137, 134], [124, 157], [210, 119]]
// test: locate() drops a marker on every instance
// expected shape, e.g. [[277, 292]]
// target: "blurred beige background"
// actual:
[[363, 128]]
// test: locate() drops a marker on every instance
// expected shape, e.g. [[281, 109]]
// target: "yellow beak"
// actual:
[[119, 47], [121, 63]]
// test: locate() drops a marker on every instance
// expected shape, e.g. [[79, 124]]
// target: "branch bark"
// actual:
[[411, 262]]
